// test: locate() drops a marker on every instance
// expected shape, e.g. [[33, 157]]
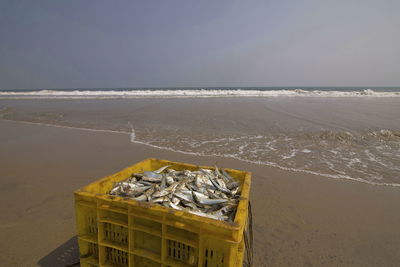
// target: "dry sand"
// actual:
[[299, 219]]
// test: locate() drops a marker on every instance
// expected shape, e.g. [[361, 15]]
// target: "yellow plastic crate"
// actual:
[[113, 231]]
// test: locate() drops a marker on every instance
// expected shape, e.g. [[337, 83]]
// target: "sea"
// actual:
[[344, 133]]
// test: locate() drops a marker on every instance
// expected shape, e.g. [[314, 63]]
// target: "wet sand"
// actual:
[[353, 138], [299, 219]]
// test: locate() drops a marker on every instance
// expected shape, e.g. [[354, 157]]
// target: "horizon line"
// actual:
[[197, 87]]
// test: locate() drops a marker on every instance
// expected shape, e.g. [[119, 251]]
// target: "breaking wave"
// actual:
[[169, 93]]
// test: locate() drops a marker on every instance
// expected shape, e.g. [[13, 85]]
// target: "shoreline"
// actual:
[[273, 165], [299, 219]]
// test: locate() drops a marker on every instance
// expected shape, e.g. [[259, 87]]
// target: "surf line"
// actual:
[[270, 164], [66, 127]]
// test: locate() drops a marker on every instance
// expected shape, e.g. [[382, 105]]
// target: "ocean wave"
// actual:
[[326, 153], [338, 175], [112, 94]]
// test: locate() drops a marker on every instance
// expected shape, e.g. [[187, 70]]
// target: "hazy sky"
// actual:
[[149, 43]]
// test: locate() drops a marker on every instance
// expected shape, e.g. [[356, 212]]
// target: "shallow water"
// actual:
[[348, 137]]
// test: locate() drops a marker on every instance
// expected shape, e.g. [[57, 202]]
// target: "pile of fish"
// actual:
[[210, 193]]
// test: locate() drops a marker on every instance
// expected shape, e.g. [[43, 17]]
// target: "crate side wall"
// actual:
[[130, 232]]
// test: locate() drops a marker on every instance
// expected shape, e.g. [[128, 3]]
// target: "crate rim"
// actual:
[[238, 223]]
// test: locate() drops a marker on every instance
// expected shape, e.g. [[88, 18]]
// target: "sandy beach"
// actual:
[[299, 219], [305, 95]]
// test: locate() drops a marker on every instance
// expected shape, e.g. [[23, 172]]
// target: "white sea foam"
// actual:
[[133, 135], [106, 94], [292, 154], [337, 175]]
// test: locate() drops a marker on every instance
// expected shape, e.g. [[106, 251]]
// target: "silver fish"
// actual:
[[166, 191], [150, 192], [217, 172], [172, 205], [160, 170], [212, 193], [152, 178], [116, 190], [227, 176], [224, 190], [190, 205], [184, 197], [139, 190], [175, 200], [163, 182], [169, 180], [207, 201], [152, 175], [132, 180], [232, 185], [141, 198], [160, 199]]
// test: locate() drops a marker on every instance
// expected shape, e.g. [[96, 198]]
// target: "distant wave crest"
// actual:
[[104, 94]]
